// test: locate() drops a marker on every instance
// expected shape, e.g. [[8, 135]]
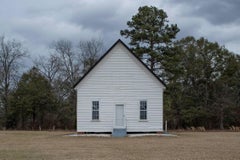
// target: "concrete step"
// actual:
[[119, 132]]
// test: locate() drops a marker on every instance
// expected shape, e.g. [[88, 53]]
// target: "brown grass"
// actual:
[[28, 145]]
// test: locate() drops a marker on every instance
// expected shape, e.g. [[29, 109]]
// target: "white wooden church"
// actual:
[[119, 95]]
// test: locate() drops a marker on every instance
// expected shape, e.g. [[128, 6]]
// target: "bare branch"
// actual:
[[90, 52], [11, 54]]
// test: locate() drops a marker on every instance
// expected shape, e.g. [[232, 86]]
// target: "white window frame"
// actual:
[[94, 110], [141, 110]]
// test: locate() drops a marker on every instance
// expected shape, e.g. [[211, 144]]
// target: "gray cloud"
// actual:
[[216, 12], [38, 23], [216, 20], [96, 17]]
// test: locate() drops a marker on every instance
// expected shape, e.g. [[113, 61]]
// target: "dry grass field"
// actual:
[[28, 145]]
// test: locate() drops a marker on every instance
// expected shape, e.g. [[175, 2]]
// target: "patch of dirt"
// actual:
[[16, 145]]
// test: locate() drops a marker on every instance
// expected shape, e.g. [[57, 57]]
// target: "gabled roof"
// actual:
[[118, 41]]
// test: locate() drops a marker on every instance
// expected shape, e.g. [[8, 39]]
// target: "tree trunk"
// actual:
[[221, 118], [5, 101], [152, 64], [33, 119], [22, 118]]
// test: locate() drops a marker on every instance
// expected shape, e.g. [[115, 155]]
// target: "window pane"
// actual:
[[143, 114], [95, 115], [95, 105], [143, 105]]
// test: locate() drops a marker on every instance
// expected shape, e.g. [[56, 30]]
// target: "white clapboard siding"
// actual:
[[119, 78]]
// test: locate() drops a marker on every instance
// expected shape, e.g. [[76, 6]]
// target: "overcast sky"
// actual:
[[36, 23]]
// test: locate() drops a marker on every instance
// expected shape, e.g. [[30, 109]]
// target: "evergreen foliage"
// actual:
[[202, 77], [33, 104], [150, 34]]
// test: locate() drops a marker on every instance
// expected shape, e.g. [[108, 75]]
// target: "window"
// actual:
[[95, 110], [143, 110]]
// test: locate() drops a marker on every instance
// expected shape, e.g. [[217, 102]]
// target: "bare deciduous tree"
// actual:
[[48, 66], [11, 54], [63, 68], [90, 52], [69, 64]]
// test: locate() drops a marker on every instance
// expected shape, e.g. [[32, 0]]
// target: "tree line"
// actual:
[[43, 97], [202, 77]]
